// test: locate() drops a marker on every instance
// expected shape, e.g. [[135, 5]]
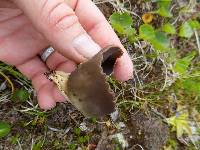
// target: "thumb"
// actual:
[[60, 26]]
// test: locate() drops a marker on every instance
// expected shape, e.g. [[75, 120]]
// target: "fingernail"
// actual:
[[85, 46], [123, 70]]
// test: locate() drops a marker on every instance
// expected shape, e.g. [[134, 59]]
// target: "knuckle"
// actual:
[[66, 22], [57, 15]]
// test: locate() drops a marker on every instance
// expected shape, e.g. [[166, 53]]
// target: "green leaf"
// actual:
[[164, 12], [180, 124], [164, 9], [171, 58], [77, 131], [121, 22], [146, 32], [160, 42], [94, 120], [71, 146], [83, 139], [14, 139], [130, 32], [4, 129], [186, 30], [169, 28], [194, 24], [191, 85], [182, 64], [158, 39], [21, 94], [172, 144], [38, 145]]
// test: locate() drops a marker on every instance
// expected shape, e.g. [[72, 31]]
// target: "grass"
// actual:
[[165, 86]]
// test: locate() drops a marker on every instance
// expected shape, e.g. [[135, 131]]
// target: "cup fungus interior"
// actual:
[[109, 59]]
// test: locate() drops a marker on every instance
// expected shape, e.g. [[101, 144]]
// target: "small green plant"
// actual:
[[71, 146], [169, 28], [182, 64], [5, 129], [186, 30], [57, 144], [194, 24], [157, 39], [94, 120], [164, 8], [38, 145], [14, 139], [146, 32], [80, 139], [180, 124], [83, 139], [171, 145], [21, 95], [123, 24], [77, 131], [191, 86], [188, 27]]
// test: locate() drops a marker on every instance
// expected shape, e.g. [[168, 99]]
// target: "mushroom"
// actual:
[[86, 87]]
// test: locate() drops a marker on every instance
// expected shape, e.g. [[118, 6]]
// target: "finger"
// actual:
[[58, 62], [100, 30], [6, 4], [59, 24], [34, 70], [56, 20], [19, 41]]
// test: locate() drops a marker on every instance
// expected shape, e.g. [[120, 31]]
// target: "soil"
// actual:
[[148, 131]]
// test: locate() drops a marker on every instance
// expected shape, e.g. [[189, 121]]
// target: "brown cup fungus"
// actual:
[[86, 87]]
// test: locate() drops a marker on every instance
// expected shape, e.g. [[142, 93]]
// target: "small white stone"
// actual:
[[79, 148], [114, 115], [83, 126], [121, 139], [121, 125], [3, 86]]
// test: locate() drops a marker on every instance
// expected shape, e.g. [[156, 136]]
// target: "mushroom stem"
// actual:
[[60, 78]]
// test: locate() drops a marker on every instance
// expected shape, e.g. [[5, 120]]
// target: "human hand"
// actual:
[[75, 28]]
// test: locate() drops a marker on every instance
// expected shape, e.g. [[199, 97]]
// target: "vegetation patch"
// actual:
[[158, 109]]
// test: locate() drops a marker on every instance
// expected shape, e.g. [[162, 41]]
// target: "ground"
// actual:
[[158, 109]]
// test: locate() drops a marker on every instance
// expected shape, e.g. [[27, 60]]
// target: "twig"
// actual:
[[19, 144], [197, 40], [9, 81], [166, 70]]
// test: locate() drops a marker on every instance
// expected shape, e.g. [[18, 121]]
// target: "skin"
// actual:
[[27, 27]]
